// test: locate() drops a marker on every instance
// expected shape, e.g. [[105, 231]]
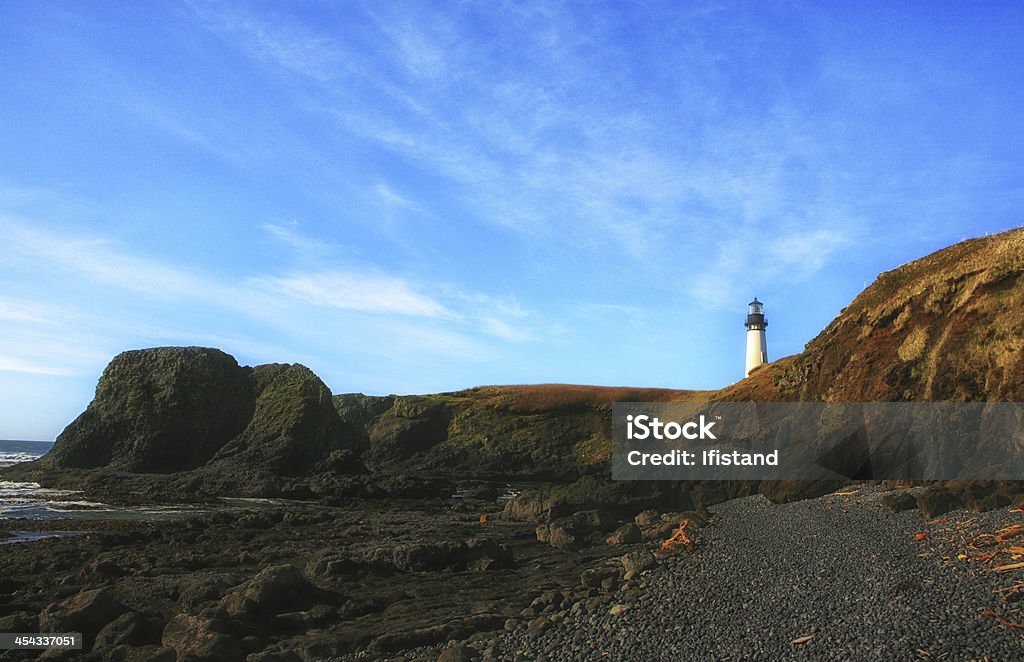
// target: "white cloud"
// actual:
[[348, 291], [391, 198], [20, 310], [100, 260], [15, 364], [507, 332], [290, 235]]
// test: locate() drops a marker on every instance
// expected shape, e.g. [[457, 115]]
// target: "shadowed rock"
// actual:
[[180, 409], [159, 410]]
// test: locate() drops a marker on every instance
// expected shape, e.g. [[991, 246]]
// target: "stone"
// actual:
[[201, 640], [619, 610], [202, 589], [593, 577], [626, 534], [937, 501], [132, 629], [638, 561], [273, 590], [86, 612], [456, 654], [540, 624], [647, 518], [898, 502]]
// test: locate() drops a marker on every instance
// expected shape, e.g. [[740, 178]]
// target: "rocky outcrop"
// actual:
[[292, 427], [547, 432], [159, 410], [195, 413]]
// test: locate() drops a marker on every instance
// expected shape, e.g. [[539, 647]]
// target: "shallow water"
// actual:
[[29, 536], [32, 501], [13, 451]]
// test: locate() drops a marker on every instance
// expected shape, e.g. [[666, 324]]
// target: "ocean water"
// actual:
[[13, 452], [32, 501]]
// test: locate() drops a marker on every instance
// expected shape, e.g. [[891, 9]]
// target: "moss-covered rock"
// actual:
[[293, 424], [159, 410], [194, 411]]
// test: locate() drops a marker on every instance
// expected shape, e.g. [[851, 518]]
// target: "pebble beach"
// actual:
[[836, 577]]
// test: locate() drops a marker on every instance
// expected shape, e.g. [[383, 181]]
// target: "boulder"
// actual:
[[626, 534], [582, 528], [937, 501], [897, 502], [86, 612], [273, 590], [202, 589], [176, 409], [132, 629], [201, 639], [638, 561]]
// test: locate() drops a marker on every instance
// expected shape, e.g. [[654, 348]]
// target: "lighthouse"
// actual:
[[757, 346]]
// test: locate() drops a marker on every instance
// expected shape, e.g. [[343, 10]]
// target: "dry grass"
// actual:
[[914, 345], [547, 397]]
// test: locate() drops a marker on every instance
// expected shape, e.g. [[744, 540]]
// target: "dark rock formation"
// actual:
[[292, 427], [195, 413], [274, 590], [202, 639], [159, 410]]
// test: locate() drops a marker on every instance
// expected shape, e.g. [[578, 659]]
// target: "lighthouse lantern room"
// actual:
[[757, 346]]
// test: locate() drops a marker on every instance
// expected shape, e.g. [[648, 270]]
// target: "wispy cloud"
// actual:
[[370, 309], [549, 149], [14, 364], [506, 331], [347, 291], [20, 310], [291, 236], [101, 260]]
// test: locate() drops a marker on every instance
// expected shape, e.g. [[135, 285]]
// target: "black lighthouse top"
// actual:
[[755, 315]]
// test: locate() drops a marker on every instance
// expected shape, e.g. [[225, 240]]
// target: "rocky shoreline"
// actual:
[[292, 581], [462, 579]]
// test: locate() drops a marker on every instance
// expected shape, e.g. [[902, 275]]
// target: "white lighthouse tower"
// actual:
[[757, 346]]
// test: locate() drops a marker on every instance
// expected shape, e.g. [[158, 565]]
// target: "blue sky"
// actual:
[[418, 197]]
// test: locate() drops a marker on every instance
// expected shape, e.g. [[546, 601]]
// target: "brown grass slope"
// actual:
[[945, 327]]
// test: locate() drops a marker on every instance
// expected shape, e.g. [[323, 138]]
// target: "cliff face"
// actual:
[[944, 327]]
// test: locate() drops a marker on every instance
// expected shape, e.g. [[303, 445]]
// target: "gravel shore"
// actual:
[[860, 582]]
